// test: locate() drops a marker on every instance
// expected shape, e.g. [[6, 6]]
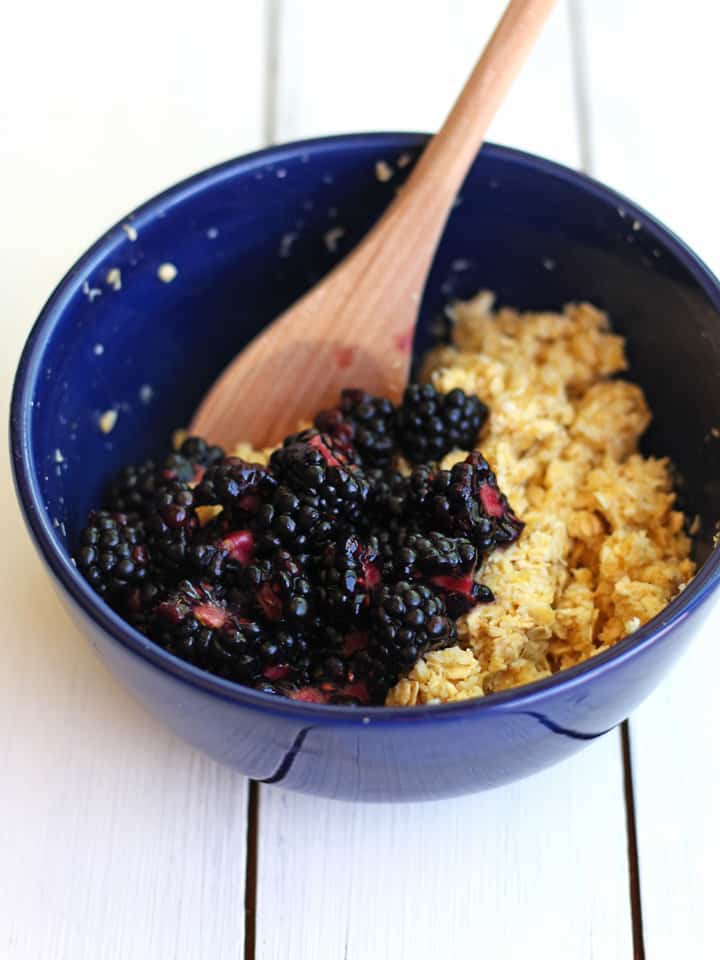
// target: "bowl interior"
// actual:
[[248, 237]]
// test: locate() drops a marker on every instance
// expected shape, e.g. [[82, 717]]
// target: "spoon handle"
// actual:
[[356, 327], [427, 196]]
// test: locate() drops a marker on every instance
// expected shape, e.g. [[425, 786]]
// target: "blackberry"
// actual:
[[235, 484], [176, 467], [201, 453], [284, 647], [113, 555], [363, 423], [376, 675], [171, 524], [194, 623], [133, 489], [277, 588], [419, 487], [387, 501], [409, 554], [465, 502], [297, 522], [188, 464], [430, 424], [348, 572], [437, 555], [307, 464], [406, 620]]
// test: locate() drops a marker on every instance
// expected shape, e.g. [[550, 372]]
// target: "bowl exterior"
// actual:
[[427, 755], [246, 239]]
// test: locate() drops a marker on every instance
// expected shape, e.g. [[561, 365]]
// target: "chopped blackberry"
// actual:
[[325, 691], [375, 674], [140, 600], [406, 620], [133, 489], [361, 422], [347, 573], [277, 589], [461, 597], [284, 646], [333, 452], [219, 553], [171, 524], [113, 555], [297, 522], [235, 484], [465, 502], [194, 623], [430, 424]]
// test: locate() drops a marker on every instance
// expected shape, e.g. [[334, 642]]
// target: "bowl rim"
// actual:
[[93, 607]]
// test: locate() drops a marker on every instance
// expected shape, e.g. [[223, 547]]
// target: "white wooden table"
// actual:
[[116, 839]]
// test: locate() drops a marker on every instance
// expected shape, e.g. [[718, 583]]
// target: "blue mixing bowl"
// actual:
[[247, 238]]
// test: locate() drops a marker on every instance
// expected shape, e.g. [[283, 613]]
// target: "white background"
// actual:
[[118, 841]]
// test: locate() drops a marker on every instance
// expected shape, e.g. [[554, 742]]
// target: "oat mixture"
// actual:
[[603, 550]]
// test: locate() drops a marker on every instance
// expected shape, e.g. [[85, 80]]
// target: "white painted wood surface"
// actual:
[[653, 137], [118, 841], [535, 869]]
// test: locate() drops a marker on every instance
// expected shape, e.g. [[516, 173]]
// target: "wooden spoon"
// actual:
[[355, 328]]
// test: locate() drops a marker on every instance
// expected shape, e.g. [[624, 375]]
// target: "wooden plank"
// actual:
[[116, 840], [537, 866], [533, 869], [650, 137], [398, 66]]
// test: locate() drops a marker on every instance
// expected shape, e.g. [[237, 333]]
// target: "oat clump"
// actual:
[[603, 549]]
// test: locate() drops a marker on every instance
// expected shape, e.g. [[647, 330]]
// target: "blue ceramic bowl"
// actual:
[[247, 238]]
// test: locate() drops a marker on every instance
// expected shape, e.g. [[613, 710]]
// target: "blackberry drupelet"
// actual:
[[429, 424], [361, 422], [406, 620], [113, 555]]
